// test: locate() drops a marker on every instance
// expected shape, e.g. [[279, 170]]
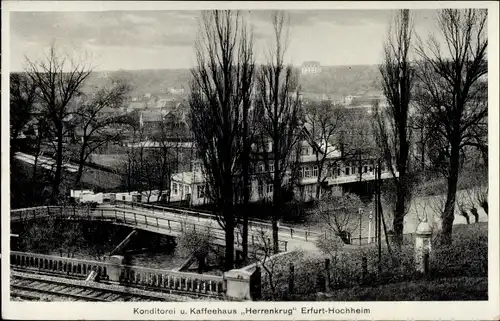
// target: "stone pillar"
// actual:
[[238, 284], [115, 270], [423, 246]]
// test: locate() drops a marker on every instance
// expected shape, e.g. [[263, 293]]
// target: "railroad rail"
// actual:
[[49, 288], [158, 280]]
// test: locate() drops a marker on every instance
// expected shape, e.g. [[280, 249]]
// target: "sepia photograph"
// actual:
[[245, 155]]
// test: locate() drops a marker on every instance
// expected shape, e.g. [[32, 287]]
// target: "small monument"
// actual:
[[423, 246]]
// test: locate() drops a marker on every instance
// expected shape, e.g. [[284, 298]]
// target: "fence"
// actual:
[[254, 225], [153, 222], [128, 274]]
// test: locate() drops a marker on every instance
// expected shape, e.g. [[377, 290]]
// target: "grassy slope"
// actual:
[[444, 289]]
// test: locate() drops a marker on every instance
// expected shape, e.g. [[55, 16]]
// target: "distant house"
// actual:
[[109, 112], [176, 91], [311, 67], [190, 186], [136, 105], [150, 120]]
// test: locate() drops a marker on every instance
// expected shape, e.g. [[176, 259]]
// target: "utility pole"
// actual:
[[360, 211], [379, 225], [370, 228]]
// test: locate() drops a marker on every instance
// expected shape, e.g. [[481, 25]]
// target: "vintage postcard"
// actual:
[[250, 160]]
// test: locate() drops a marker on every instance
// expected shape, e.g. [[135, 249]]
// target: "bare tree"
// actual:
[[340, 214], [167, 154], [393, 123], [452, 91], [247, 85], [278, 100], [325, 121], [216, 102], [96, 128], [57, 83]]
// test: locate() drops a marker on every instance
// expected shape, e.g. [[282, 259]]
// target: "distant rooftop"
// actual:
[[311, 63], [189, 177]]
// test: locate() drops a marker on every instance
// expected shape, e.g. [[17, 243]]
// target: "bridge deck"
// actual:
[[163, 223]]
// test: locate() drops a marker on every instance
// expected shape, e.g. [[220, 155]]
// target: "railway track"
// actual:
[[162, 295], [25, 286]]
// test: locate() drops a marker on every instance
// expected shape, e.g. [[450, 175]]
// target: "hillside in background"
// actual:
[[363, 80]]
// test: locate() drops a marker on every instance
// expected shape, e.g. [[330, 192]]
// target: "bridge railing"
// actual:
[[151, 222], [129, 274], [255, 225], [60, 265]]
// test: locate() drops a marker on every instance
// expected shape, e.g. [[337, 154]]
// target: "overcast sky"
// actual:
[[164, 39]]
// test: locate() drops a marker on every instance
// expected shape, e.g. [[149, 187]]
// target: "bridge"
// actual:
[[172, 222], [290, 238]]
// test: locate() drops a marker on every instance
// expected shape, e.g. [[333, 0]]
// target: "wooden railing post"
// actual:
[[157, 225], [135, 219], [327, 275], [291, 278]]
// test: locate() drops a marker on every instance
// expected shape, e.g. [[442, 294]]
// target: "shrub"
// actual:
[[275, 275], [197, 244], [466, 256]]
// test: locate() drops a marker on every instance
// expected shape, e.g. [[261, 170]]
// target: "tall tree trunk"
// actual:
[[448, 214], [246, 182], [399, 216], [276, 193], [81, 161], [402, 192], [227, 212], [59, 158]]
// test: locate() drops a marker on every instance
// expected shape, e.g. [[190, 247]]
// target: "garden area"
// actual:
[[343, 273]]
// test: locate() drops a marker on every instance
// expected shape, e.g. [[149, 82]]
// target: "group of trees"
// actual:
[[235, 105], [443, 91], [66, 122], [146, 169]]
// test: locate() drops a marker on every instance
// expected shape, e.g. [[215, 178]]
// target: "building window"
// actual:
[[175, 188], [271, 166], [365, 168], [260, 167], [370, 169], [200, 189], [301, 172], [304, 151], [270, 188], [339, 172], [347, 171], [186, 189], [307, 171], [309, 190], [260, 188], [353, 170], [315, 171]]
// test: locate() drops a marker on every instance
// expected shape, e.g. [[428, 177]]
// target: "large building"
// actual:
[[310, 67], [337, 174]]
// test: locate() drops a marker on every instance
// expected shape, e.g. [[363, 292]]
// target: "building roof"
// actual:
[[136, 105], [311, 63], [151, 116], [189, 177]]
